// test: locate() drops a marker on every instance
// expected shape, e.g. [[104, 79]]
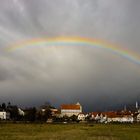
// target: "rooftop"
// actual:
[[70, 106]]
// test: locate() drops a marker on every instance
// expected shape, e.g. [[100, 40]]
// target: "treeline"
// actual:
[[27, 114]]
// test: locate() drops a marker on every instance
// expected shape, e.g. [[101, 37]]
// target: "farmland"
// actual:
[[69, 132]]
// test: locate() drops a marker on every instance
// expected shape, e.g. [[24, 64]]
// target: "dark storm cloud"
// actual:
[[60, 75]]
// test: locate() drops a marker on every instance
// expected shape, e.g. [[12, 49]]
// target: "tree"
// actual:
[[65, 118], [73, 118], [3, 106], [14, 115], [44, 113], [9, 104], [30, 114]]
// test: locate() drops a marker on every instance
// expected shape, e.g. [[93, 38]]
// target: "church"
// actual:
[[71, 109]]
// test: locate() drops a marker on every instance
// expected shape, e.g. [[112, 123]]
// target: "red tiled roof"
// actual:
[[95, 113], [70, 106], [109, 114], [124, 113], [112, 114]]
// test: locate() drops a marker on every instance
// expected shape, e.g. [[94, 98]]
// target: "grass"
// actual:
[[69, 132]]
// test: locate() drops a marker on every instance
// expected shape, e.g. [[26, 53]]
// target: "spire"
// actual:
[[125, 108], [77, 103], [137, 106]]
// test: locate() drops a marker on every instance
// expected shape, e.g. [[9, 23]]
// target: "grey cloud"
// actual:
[[75, 73]]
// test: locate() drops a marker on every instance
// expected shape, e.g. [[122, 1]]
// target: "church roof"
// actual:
[[70, 106]]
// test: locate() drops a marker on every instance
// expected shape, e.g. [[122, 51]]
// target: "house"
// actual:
[[54, 111], [122, 117], [127, 116], [47, 108], [112, 116], [138, 117], [99, 117], [81, 117], [95, 116], [103, 117], [21, 112], [4, 115], [70, 109]]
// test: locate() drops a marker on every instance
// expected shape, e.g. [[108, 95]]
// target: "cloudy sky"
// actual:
[[96, 78]]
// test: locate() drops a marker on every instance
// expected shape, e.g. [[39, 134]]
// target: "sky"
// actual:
[[98, 79]]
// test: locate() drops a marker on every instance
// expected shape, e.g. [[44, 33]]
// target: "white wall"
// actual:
[[138, 117], [69, 112], [4, 115]]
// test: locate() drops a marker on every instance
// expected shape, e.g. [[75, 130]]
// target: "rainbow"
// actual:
[[77, 41]]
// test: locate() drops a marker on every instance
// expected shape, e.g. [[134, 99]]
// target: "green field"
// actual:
[[69, 132]]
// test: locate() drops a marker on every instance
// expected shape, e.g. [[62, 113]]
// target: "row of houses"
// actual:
[[102, 117], [115, 116]]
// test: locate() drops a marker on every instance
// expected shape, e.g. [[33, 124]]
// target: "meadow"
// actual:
[[69, 131]]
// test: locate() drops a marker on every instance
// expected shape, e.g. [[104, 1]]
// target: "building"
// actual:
[[138, 117], [81, 117], [4, 115], [71, 109], [122, 117], [21, 112], [54, 112], [112, 116], [95, 116], [99, 117]]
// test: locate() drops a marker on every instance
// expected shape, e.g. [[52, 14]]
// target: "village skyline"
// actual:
[[68, 113]]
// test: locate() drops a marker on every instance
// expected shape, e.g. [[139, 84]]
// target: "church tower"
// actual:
[[137, 106]]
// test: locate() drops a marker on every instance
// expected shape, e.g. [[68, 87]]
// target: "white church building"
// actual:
[[71, 109]]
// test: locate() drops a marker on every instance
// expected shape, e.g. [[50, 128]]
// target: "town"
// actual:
[[67, 113]]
